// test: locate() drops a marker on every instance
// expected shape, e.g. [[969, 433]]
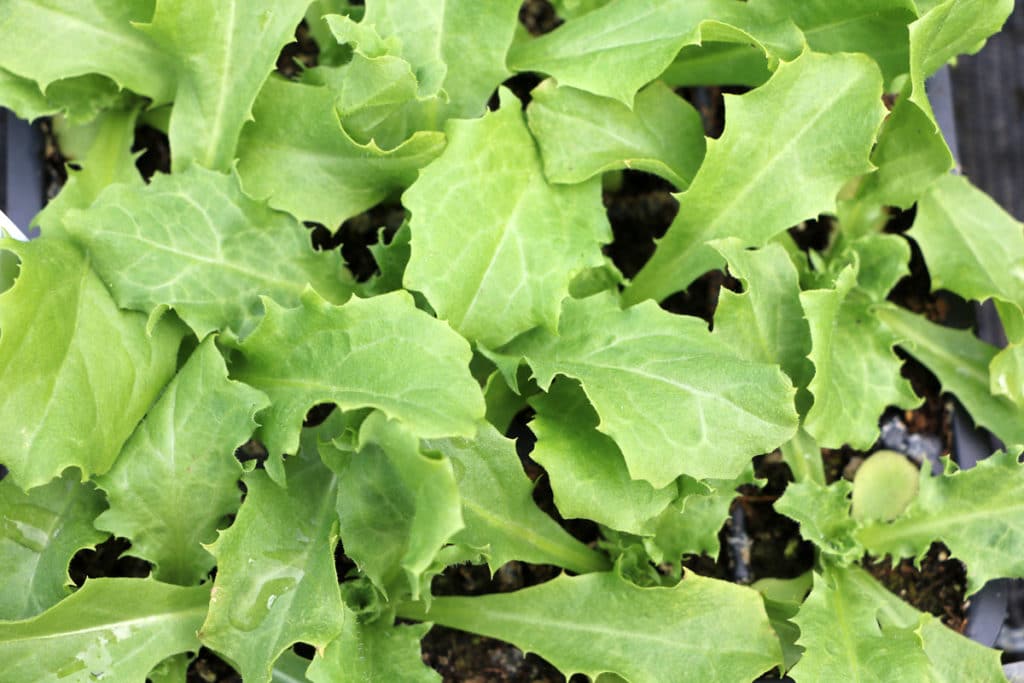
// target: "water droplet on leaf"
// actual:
[[254, 603]]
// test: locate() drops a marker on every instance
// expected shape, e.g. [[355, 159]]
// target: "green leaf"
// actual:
[[296, 127], [290, 668], [766, 322], [442, 42], [857, 375], [276, 583], [370, 353], [494, 245], [195, 242], [82, 98], [24, 97], [882, 260], [582, 135], [817, 142], [823, 513], [843, 639], [954, 658], [587, 472], [960, 361], [331, 53], [49, 40], [503, 404], [78, 374], [949, 29], [673, 399], [884, 486], [391, 259], [397, 507], [599, 623], [498, 509], [616, 50], [374, 652], [856, 630], [782, 600], [877, 28], [972, 246], [718, 64], [175, 480], [910, 155], [362, 36], [174, 669], [691, 524], [983, 529], [674, 366], [1006, 374], [376, 98], [116, 629], [223, 52], [42, 531]]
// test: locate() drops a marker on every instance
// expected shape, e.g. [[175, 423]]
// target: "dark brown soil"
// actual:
[[938, 587], [299, 55], [539, 17], [466, 658]]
